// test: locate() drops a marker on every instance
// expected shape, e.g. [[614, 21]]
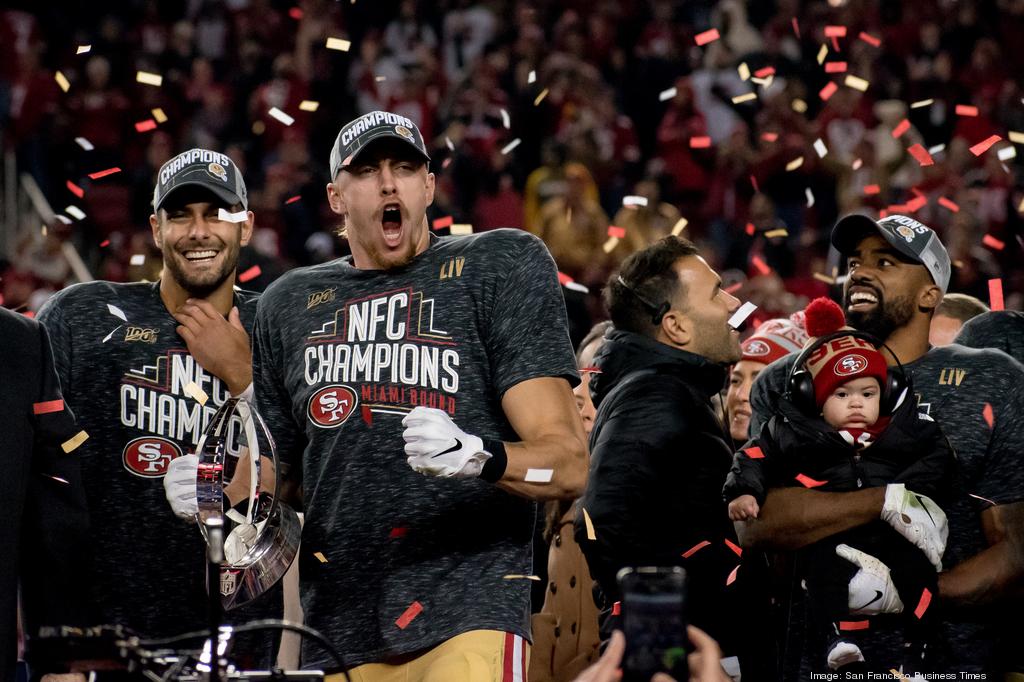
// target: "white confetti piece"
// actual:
[[922, 103], [159, 115], [116, 312], [539, 475], [744, 71], [137, 259], [540, 98], [193, 391], [505, 120], [448, 143], [679, 226], [610, 244], [339, 44], [820, 148], [107, 337], [763, 82], [308, 105], [632, 200], [510, 146], [460, 228], [230, 217], [936, 149], [799, 106], [532, 78], [84, 144], [281, 116], [379, 79], [665, 95], [63, 218], [740, 316], [147, 78], [1006, 153], [74, 442], [810, 196], [591, 535], [82, 49], [576, 286], [519, 576], [856, 83], [795, 163], [62, 81], [740, 99], [1015, 137], [822, 53], [75, 212]]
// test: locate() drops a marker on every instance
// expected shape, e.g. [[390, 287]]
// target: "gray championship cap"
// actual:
[[913, 239], [376, 125], [201, 168]]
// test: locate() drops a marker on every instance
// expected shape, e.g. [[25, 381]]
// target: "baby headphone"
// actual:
[[657, 311], [801, 381]]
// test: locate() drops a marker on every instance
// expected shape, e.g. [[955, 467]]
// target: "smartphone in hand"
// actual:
[[654, 621]]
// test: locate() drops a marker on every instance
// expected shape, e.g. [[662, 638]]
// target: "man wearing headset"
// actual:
[[659, 452], [898, 272]]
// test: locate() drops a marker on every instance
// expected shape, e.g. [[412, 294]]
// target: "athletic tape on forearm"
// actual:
[[494, 468]]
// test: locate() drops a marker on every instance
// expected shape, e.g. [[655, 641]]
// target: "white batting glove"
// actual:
[[918, 519], [180, 486], [435, 446], [871, 589]]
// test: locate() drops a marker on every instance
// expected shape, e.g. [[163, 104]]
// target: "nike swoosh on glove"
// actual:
[[871, 589], [918, 519], [180, 486], [435, 446]]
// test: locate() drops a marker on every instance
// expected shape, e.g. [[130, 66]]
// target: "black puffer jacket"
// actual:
[[912, 450], [659, 458]]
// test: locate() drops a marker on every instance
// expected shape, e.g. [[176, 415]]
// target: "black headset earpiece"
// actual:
[[657, 311], [801, 383]]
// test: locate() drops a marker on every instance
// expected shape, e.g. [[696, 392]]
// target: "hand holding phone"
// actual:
[[654, 620]]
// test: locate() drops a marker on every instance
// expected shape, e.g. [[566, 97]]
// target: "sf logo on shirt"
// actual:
[[331, 406]]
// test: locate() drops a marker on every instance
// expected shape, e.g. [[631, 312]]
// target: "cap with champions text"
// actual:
[[913, 239], [357, 134], [201, 168]]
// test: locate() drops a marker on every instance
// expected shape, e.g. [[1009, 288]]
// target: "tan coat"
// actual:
[[565, 634]]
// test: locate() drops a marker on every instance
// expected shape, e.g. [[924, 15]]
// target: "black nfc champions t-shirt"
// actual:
[[392, 561], [126, 380]]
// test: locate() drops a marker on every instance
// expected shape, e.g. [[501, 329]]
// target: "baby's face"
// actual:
[[853, 404]]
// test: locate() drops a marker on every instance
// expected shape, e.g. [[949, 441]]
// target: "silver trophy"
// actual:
[[237, 488]]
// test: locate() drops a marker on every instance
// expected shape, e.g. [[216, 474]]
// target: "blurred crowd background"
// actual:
[[549, 116]]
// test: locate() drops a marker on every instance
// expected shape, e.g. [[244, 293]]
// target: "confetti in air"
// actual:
[[159, 115], [540, 98], [921, 155], [74, 442], [632, 200], [62, 81], [856, 83], [810, 197], [250, 274], [308, 105], [984, 145], [48, 406], [741, 314], [84, 144], [679, 226], [696, 548], [665, 95], [795, 163], [966, 110], [591, 535], [82, 49], [104, 173], [75, 212], [339, 44], [995, 299], [137, 259], [922, 103], [510, 146], [700, 142], [460, 229], [922, 605], [281, 116], [147, 78], [706, 37], [320, 557]]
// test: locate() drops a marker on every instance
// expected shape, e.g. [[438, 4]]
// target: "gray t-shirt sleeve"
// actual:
[[528, 334]]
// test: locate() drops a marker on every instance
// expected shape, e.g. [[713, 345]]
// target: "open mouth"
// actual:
[[391, 221], [861, 299], [200, 255]]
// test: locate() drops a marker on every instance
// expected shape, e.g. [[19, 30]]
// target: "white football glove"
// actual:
[[918, 519], [180, 486], [871, 589], [435, 446]]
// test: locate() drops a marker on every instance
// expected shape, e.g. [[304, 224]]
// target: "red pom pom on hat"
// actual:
[[823, 316]]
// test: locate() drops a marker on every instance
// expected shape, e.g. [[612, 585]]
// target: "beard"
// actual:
[[720, 347], [885, 318], [202, 284]]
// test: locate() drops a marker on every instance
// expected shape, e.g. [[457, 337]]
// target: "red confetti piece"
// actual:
[[700, 142], [995, 294], [706, 37], [292, 200], [835, 31], [870, 190], [922, 605], [28, 313], [295, 13], [986, 412], [251, 273], [754, 452], [854, 625], [732, 576], [750, 229], [993, 243], [948, 203], [808, 482], [753, 183], [966, 110], [104, 173], [919, 153], [901, 127], [796, 27], [870, 39], [769, 137], [916, 204], [734, 547], [617, 232], [104, 243], [398, 532], [765, 72], [75, 189], [443, 222], [564, 279], [984, 145], [884, 212], [760, 265], [617, 608], [367, 415], [143, 126], [48, 406], [828, 91], [414, 610], [696, 548], [835, 67], [593, 370], [733, 288]]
